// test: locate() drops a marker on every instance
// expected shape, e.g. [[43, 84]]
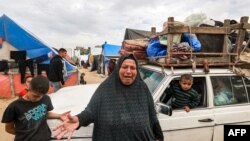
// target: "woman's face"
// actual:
[[128, 72]]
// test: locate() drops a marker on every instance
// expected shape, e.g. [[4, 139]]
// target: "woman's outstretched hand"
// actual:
[[68, 127], [64, 116]]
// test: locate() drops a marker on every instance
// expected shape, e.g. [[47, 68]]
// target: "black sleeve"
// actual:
[[153, 117], [59, 70], [85, 118], [9, 114], [158, 132], [89, 114]]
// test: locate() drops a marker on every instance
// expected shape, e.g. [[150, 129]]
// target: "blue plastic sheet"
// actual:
[[156, 49]]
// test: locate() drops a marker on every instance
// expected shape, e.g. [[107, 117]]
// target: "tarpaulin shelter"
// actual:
[[131, 34], [15, 38], [93, 58], [108, 51], [21, 39]]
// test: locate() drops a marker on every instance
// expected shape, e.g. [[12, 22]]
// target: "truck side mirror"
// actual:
[[163, 108]]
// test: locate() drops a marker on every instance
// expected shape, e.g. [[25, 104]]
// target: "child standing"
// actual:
[[183, 96], [82, 81], [26, 117]]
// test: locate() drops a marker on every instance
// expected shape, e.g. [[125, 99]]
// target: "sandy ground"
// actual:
[[90, 77]]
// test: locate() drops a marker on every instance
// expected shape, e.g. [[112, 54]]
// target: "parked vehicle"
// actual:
[[204, 122]]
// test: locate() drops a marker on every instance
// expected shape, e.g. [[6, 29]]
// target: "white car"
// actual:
[[203, 123]]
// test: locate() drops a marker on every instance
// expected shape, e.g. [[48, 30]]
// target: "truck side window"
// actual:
[[247, 84], [239, 89], [151, 78], [199, 85], [166, 98], [229, 90]]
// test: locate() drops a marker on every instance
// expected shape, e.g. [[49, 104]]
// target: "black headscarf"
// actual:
[[122, 112]]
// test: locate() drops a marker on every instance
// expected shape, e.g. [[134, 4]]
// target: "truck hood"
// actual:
[[74, 99]]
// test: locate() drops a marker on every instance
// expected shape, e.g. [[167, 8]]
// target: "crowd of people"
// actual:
[[26, 117]]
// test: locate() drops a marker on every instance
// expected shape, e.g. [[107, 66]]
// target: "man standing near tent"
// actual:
[[56, 69]]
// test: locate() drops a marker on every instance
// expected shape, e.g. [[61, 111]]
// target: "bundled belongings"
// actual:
[[155, 48], [182, 47], [137, 43], [137, 54], [209, 40], [244, 58], [136, 47], [182, 43]]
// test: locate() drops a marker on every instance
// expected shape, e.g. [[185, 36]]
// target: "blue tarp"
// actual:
[[22, 40], [108, 51], [111, 50], [156, 49]]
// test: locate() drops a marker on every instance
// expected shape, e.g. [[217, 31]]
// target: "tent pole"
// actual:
[[11, 84]]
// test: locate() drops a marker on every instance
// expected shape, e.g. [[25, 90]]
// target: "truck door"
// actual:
[[196, 125], [231, 102]]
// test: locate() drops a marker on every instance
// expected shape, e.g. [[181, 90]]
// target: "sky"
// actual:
[[87, 23]]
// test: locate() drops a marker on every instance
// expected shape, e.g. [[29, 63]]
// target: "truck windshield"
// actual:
[[151, 78]]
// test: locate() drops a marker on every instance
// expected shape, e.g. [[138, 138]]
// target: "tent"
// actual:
[[131, 34], [108, 51], [14, 37]]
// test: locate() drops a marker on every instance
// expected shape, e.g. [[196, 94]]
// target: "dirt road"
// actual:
[[90, 77]]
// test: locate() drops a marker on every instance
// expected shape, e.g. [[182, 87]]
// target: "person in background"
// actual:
[[82, 81], [222, 94], [183, 96], [28, 79], [56, 70], [26, 117], [122, 108], [111, 66]]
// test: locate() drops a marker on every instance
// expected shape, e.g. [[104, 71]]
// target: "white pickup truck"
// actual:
[[203, 123]]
